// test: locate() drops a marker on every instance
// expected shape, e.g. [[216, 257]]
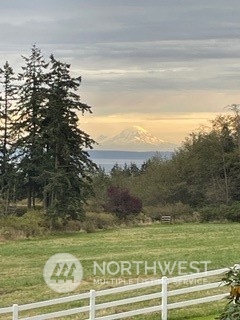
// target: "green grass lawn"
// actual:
[[22, 261]]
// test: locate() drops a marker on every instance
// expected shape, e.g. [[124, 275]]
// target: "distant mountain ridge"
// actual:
[[134, 139]]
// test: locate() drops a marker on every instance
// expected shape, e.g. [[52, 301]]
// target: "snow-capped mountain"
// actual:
[[134, 139]]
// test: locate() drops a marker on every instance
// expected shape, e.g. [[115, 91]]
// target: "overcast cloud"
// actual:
[[136, 57]]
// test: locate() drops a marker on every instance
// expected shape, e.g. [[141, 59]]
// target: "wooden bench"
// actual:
[[166, 219]]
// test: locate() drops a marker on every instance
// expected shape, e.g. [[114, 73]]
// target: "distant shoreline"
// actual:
[[108, 158], [115, 154]]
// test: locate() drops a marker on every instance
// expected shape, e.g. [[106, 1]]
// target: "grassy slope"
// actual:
[[22, 261]]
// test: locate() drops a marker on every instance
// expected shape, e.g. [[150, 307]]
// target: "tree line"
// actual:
[[42, 149], [202, 175]]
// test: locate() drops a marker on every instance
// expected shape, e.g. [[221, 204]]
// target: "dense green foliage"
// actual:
[[42, 151], [202, 178], [231, 312], [232, 309], [7, 181]]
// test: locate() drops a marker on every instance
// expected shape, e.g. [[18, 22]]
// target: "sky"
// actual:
[[169, 66]]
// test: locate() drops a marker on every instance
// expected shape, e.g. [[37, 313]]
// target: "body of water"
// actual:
[[107, 159], [108, 164]]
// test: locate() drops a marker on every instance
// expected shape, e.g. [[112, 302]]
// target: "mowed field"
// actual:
[[22, 261]]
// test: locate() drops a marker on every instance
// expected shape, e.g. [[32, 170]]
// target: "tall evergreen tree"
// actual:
[[67, 175], [6, 134], [49, 147], [29, 116]]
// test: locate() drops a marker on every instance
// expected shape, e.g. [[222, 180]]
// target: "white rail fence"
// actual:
[[162, 306]]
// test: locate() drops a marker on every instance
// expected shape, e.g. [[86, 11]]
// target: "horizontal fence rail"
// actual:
[[92, 306]]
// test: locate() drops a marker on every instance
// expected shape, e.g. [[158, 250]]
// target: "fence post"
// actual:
[[92, 305], [15, 312], [164, 297]]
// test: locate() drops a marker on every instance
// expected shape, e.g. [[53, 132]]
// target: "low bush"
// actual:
[[73, 226], [220, 213], [232, 309], [231, 312], [232, 213], [94, 221], [122, 203], [32, 223], [210, 213]]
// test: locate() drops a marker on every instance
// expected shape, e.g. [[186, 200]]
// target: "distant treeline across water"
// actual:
[[107, 159]]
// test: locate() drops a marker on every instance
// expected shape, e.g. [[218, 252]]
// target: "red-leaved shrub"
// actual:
[[121, 202]]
